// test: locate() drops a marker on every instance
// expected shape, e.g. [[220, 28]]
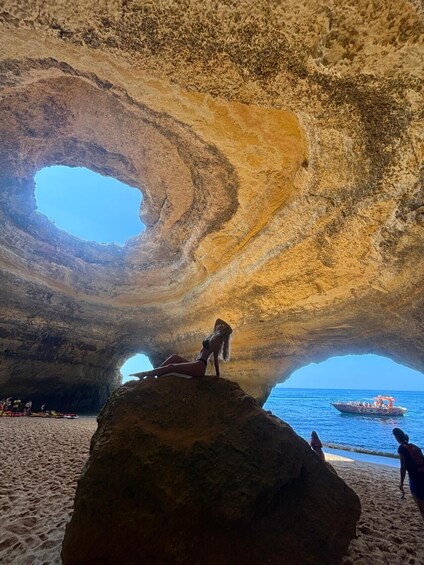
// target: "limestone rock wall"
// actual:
[[279, 152]]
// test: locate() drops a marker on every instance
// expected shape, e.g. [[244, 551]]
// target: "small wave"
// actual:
[[361, 450]]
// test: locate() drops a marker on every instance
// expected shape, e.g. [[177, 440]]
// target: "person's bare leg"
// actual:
[[194, 369], [420, 504], [174, 359]]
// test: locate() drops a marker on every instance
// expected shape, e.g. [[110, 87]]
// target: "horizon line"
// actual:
[[282, 385]]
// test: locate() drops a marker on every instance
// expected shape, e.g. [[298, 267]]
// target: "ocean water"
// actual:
[[310, 409]]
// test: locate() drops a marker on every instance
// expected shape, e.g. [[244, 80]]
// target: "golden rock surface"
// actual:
[[279, 150]]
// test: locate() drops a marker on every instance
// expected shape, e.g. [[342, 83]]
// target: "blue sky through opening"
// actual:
[[135, 364], [88, 205], [366, 372]]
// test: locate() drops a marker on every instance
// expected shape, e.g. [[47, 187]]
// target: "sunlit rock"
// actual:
[[194, 471], [278, 147]]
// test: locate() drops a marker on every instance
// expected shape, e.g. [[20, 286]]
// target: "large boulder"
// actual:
[[194, 471]]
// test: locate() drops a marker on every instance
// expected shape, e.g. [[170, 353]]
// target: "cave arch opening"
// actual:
[[88, 205], [136, 363], [305, 400]]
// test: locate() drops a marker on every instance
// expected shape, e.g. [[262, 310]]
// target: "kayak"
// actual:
[[56, 415]]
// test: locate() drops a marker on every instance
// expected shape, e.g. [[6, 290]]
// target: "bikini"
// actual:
[[205, 344], [201, 359]]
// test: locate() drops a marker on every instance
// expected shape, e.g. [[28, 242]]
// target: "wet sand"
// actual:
[[42, 459], [390, 529]]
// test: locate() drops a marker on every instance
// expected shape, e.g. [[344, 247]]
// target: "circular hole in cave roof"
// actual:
[[88, 205], [135, 364]]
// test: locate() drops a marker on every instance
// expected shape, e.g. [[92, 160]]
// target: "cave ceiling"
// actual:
[[278, 148]]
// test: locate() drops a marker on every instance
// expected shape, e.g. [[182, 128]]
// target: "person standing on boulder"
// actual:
[[217, 344], [411, 460]]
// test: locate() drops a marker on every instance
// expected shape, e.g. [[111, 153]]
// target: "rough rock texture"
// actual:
[[278, 147], [194, 471]]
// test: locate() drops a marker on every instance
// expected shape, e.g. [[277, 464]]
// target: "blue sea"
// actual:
[[310, 409]]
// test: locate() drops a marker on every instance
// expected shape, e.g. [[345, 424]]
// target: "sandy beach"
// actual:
[[42, 459]]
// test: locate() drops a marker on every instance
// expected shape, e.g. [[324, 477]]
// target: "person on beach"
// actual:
[[28, 407], [411, 460], [217, 344], [16, 406], [317, 445], [7, 406]]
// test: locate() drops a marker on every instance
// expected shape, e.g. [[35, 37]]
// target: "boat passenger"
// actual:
[[411, 460], [216, 344]]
